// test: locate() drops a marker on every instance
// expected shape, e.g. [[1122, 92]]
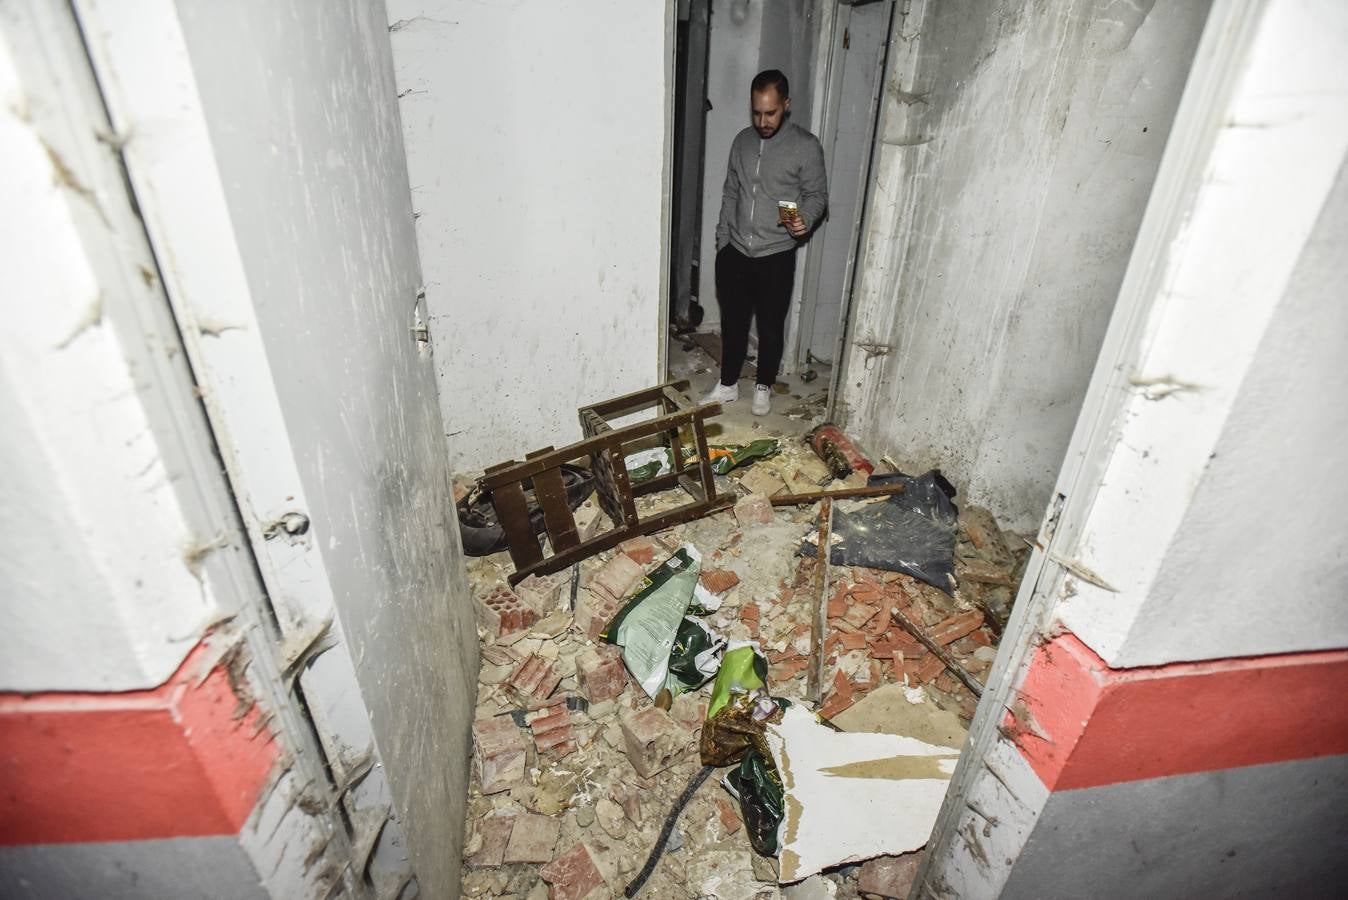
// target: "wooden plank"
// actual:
[[551, 493], [814, 680], [878, 490], [512, 509], [694, 488], [704, 456], [623, 486]]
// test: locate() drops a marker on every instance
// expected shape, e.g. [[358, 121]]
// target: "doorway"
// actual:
[[834, 54]]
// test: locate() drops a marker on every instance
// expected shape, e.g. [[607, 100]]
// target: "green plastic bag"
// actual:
[[644, 465], [663, 647], [759, 789]]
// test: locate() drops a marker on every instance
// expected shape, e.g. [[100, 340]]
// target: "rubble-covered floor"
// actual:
[[558, 796]]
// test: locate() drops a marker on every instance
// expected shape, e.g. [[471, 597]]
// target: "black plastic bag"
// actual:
[[911, 532], [760, 793]]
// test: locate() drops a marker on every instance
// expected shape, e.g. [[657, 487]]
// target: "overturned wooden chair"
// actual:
[[604, 450]]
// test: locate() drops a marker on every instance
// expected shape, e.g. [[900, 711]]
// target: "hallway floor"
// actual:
[[567, 788]]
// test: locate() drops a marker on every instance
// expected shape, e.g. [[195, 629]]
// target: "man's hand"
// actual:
[[797, 227]]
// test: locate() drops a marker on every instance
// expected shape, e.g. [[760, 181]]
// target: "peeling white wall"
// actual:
[[265, 148], [536, 136], [98, 587], [1020, 146]]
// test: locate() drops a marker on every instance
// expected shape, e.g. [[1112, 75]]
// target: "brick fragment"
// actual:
[[880, 624], [495, 833], [602, 675], [590, 520], [532, 839], [924, 669], [551, 727], [858, 614], [535, 678], [855, 640], [837, 607], [572, 875], [750, 612], [841, 698], [641, 550], [955, 627], [499, 751], [629, 799], [594, 611], [618, 577], [866, 593], [718, 581], [755, 509], [500, 612], [542, 593], [787, 669], [652, 741], [730, 818], [890, 877]]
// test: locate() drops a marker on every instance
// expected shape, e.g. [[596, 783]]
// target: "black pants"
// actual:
[[748, 287]]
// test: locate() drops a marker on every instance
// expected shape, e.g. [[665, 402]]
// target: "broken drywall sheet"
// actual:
[[851, 797]]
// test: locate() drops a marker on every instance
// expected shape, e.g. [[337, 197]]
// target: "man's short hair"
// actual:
[[771, 78]]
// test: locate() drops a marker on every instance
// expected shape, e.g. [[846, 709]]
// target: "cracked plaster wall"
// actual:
[[1020, 142], [536, 147]]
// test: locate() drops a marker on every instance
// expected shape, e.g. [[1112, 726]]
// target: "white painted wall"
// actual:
[[536, 136], [266, 153], [97, 588], [1216, 511], [1020, 146]]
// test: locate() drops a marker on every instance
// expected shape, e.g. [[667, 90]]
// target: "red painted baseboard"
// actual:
[[1080, 723], [176, 761]]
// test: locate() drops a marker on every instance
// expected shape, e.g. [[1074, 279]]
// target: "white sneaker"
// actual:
[[762, 400], [723, 393]]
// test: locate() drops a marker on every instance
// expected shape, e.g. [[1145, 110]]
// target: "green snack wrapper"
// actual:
[[662, 646], [759, 790], [647, 464]]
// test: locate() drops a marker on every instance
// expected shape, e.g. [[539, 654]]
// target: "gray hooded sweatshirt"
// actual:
[[787, 166]]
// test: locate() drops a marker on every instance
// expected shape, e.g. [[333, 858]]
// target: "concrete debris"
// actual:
[[532, 839], [568, 795]]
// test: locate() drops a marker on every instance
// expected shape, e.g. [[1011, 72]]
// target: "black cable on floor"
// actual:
[[659, 849]]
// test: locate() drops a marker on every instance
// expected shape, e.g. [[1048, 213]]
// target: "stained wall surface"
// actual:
[[1019, 151], [305, 131], [536, 140]]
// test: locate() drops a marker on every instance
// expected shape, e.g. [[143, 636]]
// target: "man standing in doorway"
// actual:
[[776, 192]]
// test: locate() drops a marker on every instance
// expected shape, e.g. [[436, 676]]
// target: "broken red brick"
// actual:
[[718, 581], [890, 877], [841, 698], [535, 678], [602, 676], [924, 670], [880, 624], [541, 593], [495, 832], [551, 727], [629, 800], [500, 752], [594, 611], [837, 607], [855, 640], [618, 577], [500, 612], [787, 669], [866, 594], [955, 627], [573, 875], [858, 614], [641, 550], [532, 839], [750, 612], [979, 637], [753, 509], [946, 682], [730, 819]]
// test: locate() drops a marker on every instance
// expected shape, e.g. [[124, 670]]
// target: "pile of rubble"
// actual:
[[576, 769]]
